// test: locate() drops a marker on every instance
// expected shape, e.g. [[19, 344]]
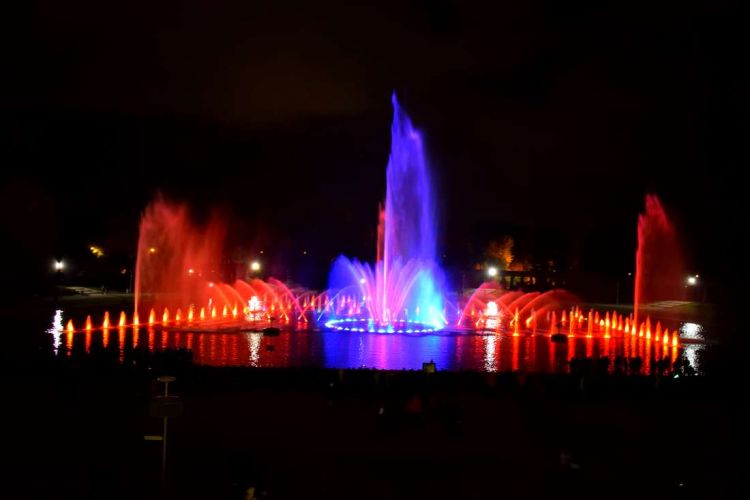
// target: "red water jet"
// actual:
[[658, 259], [175, 257]]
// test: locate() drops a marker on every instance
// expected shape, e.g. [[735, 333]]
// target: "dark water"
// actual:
[[449, 351]]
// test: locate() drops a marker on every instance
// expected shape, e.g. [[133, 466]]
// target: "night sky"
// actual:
[[546, 120]]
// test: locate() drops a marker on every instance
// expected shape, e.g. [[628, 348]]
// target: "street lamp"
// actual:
[[492, 271], [59, 266], [692, 280]]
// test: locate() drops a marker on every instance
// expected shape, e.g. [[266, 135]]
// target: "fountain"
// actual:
[[402, 292], [179, 276], [183, 297], [658, 260]]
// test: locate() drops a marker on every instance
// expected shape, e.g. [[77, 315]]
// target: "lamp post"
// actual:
[[59, 266], [694, 281]]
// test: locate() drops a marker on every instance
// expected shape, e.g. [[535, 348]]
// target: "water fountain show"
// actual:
[[373, 250], [399, 310]]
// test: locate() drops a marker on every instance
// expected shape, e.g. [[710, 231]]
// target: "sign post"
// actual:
[[164, 406]]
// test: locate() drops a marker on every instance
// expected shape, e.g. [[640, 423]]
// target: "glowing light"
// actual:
[[105, 321], [165, 317], [255, 310], [191, 271], [88, 323], [98, 252], [491, 309], [59, 265], [151, 317], [692, 280], [123, 319], [492, 271], [255, 266], [152, 250], [70, 328]]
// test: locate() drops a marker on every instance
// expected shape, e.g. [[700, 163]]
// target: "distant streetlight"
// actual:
[[255, 266], [59, 266], [492, 271], [692, 280], [97, 251]]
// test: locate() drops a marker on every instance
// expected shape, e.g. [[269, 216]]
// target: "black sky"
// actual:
[[541, 118]]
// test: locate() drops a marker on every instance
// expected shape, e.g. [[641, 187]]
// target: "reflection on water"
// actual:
[[254, 340], [500, 352], [56, 330], [490, 342], [493, 353], [693, 351]]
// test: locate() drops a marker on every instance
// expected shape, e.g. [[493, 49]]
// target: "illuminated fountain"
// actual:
[[658, 260], [182, 300], [402, 292], [181, 290], [179, 277], [492, 308]]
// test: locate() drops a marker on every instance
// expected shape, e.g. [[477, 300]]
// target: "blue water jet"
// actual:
[[404, 289]]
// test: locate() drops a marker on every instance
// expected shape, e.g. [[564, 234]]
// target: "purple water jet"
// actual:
[[402, 292]]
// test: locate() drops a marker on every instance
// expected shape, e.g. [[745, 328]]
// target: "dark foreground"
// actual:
[[76, 431]]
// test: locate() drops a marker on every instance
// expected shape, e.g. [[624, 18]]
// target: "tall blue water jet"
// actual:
[[403, 292]]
